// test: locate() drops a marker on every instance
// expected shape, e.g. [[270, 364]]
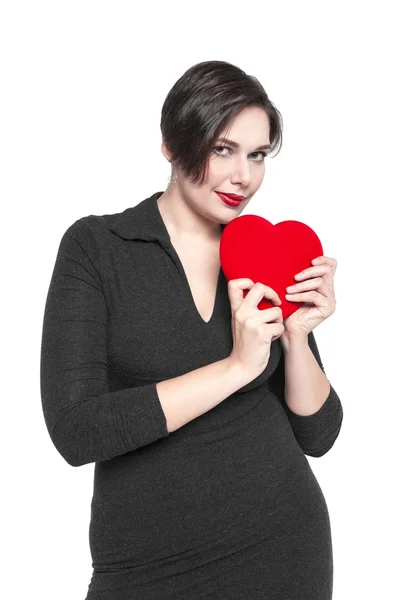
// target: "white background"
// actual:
[[83, 85]]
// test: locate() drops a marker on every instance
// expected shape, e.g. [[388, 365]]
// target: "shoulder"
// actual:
[[92, 225], [92, 230], [90, 234]]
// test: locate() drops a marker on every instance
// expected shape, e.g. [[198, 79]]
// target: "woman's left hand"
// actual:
[[316, 291]]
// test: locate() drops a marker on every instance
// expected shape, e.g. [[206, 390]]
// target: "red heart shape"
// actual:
[[252, 247]]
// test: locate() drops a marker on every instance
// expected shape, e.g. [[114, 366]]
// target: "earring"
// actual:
[[172, 179]]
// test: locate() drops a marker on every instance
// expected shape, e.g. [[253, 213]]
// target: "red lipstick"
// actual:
[[228, 200], [233, 196]]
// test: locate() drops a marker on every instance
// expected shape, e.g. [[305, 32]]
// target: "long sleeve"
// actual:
[[315, 433], [87, 422]]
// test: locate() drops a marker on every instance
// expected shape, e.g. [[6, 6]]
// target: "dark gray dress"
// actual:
[[226, 507]]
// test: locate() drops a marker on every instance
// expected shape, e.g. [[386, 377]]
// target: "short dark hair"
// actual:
[[207, 98]]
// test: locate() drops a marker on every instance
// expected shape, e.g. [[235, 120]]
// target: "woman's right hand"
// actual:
[[253, 330]]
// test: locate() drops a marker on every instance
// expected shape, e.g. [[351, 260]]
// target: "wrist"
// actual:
[[237, 371], [297, 339]]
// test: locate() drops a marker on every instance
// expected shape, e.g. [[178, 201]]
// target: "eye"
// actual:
[[220, 148], [263, 154]]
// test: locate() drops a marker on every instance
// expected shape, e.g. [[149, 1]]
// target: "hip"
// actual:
[[174, 503]]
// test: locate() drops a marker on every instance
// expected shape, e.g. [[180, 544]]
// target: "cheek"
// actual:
[[259, 176], [218, 177]]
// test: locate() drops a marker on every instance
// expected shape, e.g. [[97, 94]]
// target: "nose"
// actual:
[[242, 174]]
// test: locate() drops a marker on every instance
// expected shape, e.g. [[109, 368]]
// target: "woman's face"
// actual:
[[239, 170], [232, 169]]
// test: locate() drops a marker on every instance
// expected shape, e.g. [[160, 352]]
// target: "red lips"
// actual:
[[233, 196]]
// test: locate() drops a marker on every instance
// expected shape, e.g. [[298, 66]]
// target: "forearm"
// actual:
[[188, 396], [306, 385]]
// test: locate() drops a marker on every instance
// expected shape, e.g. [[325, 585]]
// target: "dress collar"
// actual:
[[142, 222]]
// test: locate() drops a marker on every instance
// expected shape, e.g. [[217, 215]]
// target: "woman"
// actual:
[[157, 370]]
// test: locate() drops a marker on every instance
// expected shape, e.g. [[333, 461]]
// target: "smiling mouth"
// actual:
[[235, 197], [227, 200]]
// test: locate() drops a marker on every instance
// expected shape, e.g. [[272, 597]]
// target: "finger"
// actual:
[[260, 291], [309, 284], [312, 284], [271, 315], [327, 260], [321, 270], [320, 259], [312, 297], [236, 288]]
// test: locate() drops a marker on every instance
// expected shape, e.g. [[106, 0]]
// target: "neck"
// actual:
[[183, 222]]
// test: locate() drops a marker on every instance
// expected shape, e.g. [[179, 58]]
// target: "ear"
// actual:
[[165, 151]]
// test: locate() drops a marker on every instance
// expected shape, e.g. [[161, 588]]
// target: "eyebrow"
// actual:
[[236, 145]]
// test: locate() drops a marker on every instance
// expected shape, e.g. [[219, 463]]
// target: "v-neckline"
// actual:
[[215, 297], [185, 278], [193, 303]]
